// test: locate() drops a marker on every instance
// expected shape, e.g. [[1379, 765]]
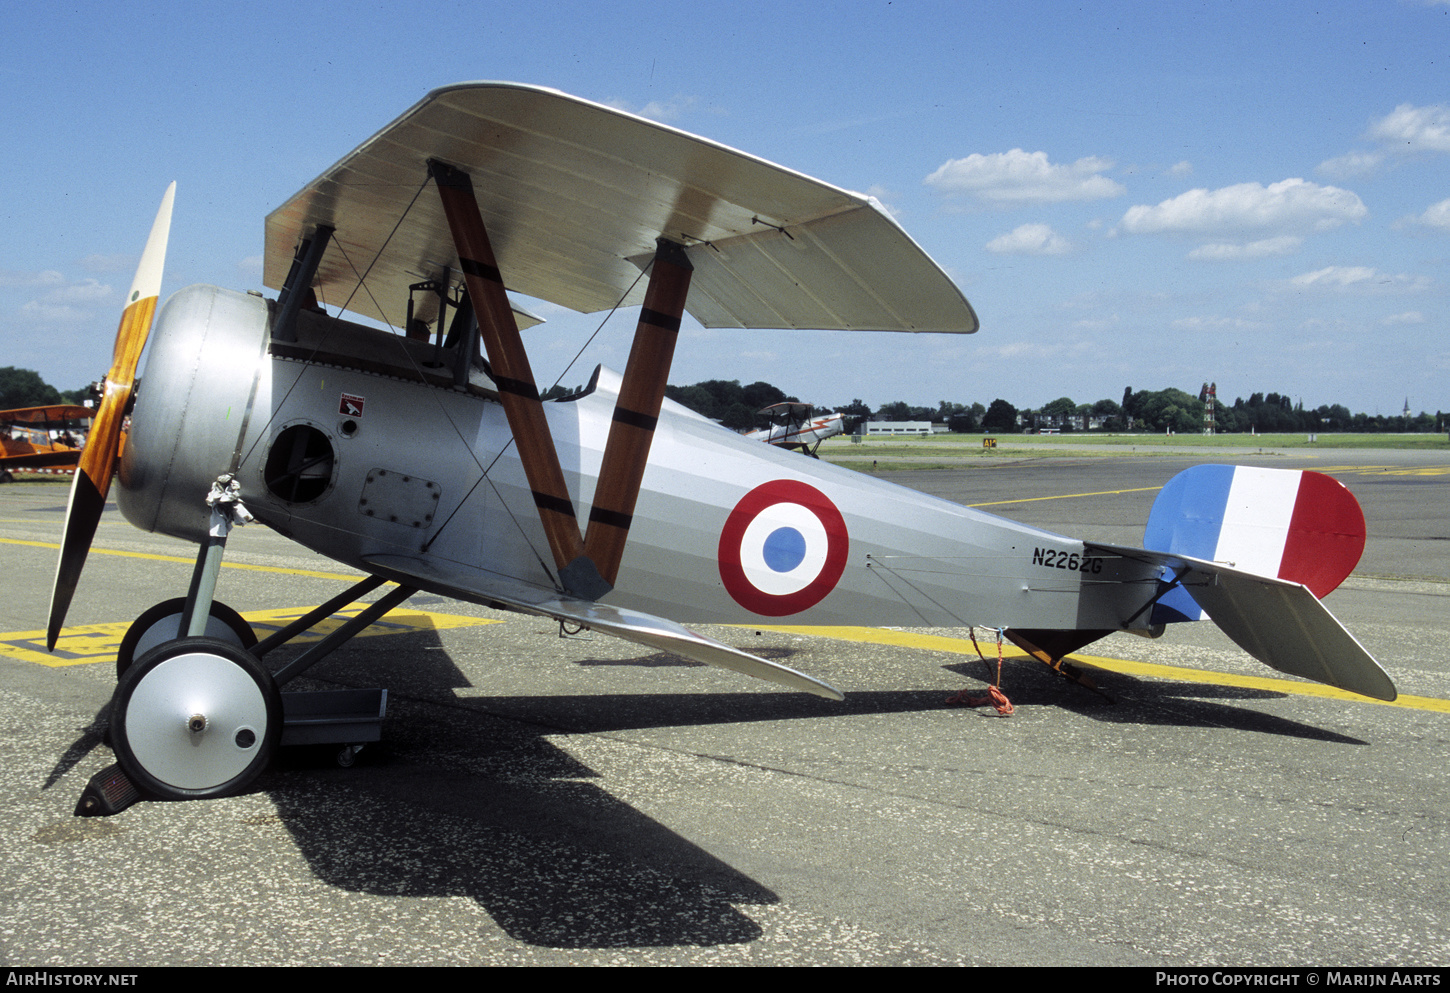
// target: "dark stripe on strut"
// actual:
[[612, 518], [473, 267], [635, 419], [518, 387], [655, 318], [558, 505]]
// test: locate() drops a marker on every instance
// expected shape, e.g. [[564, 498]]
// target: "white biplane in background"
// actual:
[[794, 427], [422, 459]]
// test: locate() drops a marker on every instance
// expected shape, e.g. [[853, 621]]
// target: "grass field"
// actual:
[[946, 451], [1439, 441]]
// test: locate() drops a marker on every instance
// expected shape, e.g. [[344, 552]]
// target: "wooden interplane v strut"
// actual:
[[587, 565]]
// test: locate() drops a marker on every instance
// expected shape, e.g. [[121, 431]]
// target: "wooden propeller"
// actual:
[[98, 460]]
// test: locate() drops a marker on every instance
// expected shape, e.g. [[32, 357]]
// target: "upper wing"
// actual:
[[574, 195], [48, 414]]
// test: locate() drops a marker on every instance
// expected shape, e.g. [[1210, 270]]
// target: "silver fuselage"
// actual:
[[400, 462]]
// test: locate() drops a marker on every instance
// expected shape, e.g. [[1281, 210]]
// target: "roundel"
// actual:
[[783, 548]]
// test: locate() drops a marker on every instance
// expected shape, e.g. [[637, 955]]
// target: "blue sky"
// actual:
[[1130, 194]]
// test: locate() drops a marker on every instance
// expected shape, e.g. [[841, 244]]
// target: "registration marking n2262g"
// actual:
[[1053, 558]]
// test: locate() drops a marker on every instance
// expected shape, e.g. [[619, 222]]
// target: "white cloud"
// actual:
[[1215, 324], [1350, 165], [1438, 216], [47, 277], [1225, 251], [86, 292], [1415, 129], [1408, 317], [1030, 239], [54, 313], [1405, 130], [1336, 275], [1019, 177], [883, 196], [1361, 277], [1184, 168], [1294, 204], [1036, 350], [657, 110]]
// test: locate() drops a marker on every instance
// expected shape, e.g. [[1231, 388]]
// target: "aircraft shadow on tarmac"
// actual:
[[1126, 699], [469, 798], [462, 803]]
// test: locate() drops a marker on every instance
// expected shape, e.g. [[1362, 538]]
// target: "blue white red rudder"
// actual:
[[1303, 527]]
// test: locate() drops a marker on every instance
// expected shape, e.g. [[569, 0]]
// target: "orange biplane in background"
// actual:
[[40, 437]]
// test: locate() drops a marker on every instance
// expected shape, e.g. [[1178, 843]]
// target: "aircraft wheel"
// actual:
[[195, 718], [162, 623]]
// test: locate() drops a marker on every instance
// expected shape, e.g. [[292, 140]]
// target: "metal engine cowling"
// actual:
[[201, 381]]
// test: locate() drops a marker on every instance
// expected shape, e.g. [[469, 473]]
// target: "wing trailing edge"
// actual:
[[659, 633]]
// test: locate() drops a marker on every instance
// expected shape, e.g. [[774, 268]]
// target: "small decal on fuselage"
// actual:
[[350, 405], [783, 548]]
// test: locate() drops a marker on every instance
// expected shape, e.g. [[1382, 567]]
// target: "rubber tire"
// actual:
[[152, 688], [241, 633]]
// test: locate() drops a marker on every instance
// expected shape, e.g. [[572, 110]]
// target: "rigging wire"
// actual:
[[485, 470], [262, 431], [617, 304]]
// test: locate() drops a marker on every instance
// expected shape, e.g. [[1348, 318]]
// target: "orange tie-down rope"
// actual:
[[994, 697]]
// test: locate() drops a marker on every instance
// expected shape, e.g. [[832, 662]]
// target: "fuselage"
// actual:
[[355, 443]]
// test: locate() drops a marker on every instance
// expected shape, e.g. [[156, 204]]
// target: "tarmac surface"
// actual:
[[539, 800]]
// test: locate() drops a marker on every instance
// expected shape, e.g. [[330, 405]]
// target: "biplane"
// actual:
[[793, 427], [39, 437], [420, 453]]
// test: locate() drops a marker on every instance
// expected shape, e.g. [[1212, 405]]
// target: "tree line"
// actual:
[[737, 406], [25, 388], [1158, 411]]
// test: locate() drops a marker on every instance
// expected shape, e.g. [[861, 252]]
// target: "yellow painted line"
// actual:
[[1389, 470], [1360, 470], [90, 643], [963, 646], [1067, 496], [349, 577]]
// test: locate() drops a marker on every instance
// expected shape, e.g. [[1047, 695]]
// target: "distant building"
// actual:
[[873, 429]]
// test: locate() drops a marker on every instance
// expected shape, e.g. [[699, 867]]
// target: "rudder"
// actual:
[[1290, 524]]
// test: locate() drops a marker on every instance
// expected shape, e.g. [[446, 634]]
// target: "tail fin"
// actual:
[[1254, 549], [1302, 527]]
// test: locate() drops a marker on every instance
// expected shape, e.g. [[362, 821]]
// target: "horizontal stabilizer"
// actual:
[[661, 634], [1280, 623]]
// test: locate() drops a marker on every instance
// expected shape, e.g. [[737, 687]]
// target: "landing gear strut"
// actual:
[[196, 715], [162, 623]]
